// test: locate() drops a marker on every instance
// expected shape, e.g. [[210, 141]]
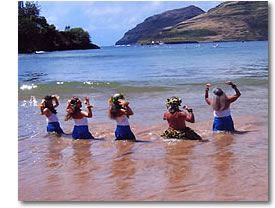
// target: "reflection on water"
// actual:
[[123, 169], [224, 155], [228, 167], [180, 166]]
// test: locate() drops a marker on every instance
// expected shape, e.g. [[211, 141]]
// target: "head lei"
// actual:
[[117, 96], [173, 101], [74, 100]]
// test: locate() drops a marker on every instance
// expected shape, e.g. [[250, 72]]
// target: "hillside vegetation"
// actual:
[[155, 24], [229, 21]]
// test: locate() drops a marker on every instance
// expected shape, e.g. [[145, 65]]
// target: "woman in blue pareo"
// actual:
[[80, 130], [120, 111], [47, 108], [220, 104]]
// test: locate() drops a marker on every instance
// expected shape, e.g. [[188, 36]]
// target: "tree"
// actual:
[[67, 28], [35, 34], [29, 9]]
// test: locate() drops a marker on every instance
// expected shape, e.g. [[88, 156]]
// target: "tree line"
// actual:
[[35, 34]]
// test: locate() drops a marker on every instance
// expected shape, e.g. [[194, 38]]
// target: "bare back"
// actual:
[[176, 120]]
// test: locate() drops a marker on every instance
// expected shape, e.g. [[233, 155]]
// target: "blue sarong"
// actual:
[[81, 132], [223, 124], [54, 127], [124, 133]]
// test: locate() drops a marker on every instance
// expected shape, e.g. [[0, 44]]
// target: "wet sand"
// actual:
[[226, 168]]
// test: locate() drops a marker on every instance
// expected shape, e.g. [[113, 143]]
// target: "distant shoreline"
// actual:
[[34, 51], [193, 42]]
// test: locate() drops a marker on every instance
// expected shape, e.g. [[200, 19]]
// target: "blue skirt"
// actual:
[[81, 132], [223, 124], [54, 127], [124, 133]]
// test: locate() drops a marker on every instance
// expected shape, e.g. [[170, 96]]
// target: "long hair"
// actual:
[[114, 106], [73, 109], [219, 100], [48, 99], [114, 110]]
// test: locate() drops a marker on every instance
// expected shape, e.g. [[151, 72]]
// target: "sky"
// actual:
[[108, 21]]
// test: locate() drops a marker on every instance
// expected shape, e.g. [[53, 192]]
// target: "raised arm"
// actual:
[[190, 116], [237, 95], [68, 106], [55, 98], [125, 108], [43, 110], [165, 116], [89, 113], [207, 100], [42, 107]]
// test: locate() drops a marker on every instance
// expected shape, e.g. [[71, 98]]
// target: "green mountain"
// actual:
[[154, 24], [229, 21]]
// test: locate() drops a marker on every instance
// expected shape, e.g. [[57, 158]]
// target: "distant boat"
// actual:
[[38, 52], [216, 46]]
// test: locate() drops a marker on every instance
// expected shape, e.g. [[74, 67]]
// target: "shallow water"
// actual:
[[225, 168]]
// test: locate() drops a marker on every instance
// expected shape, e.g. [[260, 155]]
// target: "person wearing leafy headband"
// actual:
[[47, 108], [176, 119], [74, 111], [120, 111]]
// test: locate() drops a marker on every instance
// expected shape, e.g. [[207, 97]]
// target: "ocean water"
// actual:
[[147, 76]]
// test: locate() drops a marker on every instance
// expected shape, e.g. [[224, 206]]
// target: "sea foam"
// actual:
[[28, 87]]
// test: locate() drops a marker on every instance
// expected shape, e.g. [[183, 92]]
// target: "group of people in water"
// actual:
[[120, 111]]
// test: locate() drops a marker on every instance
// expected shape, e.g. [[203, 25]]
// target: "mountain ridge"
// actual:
[[229, 21], [156, 22]]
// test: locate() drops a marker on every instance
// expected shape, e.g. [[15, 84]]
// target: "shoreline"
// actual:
[[147, 132]]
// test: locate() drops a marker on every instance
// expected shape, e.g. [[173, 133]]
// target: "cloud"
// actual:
[[108, 19], [103, 11]]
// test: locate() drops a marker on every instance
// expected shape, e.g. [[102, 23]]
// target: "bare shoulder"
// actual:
[[47, 112], [167, 114], [83, 114], [183, 113]]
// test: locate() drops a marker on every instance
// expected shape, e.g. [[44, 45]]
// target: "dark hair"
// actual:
[[173, 108], [73, 109], [48, 98], [218, 91], [173, 104], [114, 110]]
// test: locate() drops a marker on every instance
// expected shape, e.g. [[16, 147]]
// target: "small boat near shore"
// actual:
[[39, 52]]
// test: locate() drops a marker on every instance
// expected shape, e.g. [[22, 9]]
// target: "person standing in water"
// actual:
[[220, 104], [74, 111], [120, 111], [176, 120], [47, 108]]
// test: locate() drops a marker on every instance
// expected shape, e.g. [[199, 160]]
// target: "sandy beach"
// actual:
[[53, 168]]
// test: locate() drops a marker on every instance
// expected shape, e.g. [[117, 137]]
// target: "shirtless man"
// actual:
[[176, 120]]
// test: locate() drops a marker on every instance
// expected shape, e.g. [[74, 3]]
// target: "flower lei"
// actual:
[[176, 101], [116, 97]]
